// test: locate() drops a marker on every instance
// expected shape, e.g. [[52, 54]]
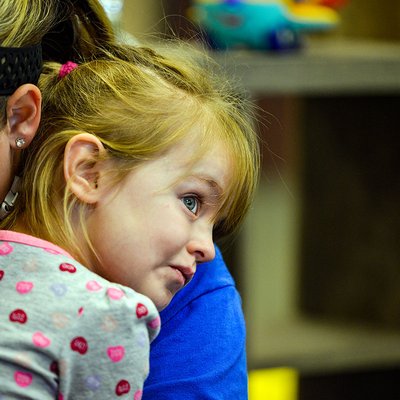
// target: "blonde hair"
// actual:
[[23, 22], [27, 22], [139, 104], [68, 28]]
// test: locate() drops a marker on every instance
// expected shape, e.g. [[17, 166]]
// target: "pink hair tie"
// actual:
[[66, 69]]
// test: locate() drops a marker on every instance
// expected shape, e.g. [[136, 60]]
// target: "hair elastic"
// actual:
[[19, 65], [66, 69]]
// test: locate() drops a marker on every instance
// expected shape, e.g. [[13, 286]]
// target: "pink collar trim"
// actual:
[[16, 237]]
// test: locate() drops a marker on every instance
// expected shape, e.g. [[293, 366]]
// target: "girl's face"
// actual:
[[152, 231]]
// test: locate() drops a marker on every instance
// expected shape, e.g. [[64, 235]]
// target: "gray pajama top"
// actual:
[[65, 332]]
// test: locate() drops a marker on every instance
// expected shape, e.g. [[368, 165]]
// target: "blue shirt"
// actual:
[[200, 351]]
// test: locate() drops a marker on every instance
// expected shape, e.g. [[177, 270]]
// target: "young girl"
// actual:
[[139, 159], [67, 29]]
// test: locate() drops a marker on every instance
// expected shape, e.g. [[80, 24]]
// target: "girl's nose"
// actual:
[[201, 246]]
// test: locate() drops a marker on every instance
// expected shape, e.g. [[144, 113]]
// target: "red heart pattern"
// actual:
[[80, 345], [116, 353], [66, 267], [18, 316], [123, 387], [40, 340], [23, 287], [138, 395], [23, 379], [141, 310], [5, 249]]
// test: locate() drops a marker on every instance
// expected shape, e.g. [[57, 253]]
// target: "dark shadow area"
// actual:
[[377, 384]]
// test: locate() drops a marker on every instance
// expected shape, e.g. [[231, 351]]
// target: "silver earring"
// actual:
[[20, 142]]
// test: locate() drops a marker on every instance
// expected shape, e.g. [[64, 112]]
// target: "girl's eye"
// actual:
[[191, 203]]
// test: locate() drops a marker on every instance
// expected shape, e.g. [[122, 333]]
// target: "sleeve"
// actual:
[[200, 353], [106, 354]]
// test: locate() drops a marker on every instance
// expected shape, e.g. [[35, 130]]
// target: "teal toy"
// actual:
[[258, 24]]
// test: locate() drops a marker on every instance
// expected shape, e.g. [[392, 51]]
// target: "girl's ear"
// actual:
[[23, 114], [82, 170]]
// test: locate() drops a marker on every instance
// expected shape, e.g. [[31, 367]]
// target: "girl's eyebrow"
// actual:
[[209, 182]]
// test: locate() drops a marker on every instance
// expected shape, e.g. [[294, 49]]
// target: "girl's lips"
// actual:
[[186, 273]]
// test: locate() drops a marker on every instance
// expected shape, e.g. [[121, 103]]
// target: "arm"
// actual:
[[200, 352]]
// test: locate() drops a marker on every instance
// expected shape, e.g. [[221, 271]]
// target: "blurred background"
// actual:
[[317, 261]]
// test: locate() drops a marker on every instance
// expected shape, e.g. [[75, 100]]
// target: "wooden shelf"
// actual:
[[322, 67]]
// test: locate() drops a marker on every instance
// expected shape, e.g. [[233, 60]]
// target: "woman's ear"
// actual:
[[23, 115], [82, 170]]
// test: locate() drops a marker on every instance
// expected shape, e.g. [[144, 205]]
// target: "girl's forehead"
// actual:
[[210, 161], [198, 142], [195, 153]]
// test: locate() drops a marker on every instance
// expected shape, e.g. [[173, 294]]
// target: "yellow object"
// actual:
[[311, 12], [273, 384]]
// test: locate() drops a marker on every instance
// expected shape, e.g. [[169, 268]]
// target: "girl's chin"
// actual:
[[162, 302]]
